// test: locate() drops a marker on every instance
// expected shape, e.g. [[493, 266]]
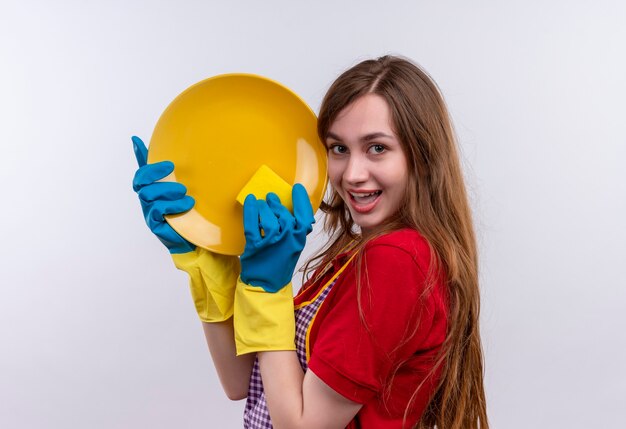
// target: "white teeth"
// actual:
[[365, 198], [355, 195]]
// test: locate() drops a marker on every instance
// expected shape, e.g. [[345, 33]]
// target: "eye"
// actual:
[[377, 148], [338, 149]]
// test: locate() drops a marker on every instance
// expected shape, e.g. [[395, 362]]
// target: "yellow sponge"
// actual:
[[264, 181]]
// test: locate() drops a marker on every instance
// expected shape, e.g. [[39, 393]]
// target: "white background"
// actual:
[[97, 329]]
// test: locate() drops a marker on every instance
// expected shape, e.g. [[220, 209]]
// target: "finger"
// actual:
[[267, 220], [302, 209], [251, 220], [150, 173], [162, 191], [141, 152], [285, 218], [161, 208], [167, 235]]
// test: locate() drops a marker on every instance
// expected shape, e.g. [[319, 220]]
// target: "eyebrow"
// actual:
[[366, 138]]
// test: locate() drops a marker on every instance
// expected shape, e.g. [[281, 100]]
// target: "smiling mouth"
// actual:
[[364, 198]]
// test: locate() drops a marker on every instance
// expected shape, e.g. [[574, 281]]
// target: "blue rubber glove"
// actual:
[[270, 257], [160, 198]]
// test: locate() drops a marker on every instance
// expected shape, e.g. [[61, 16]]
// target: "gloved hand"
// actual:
[[264, 313], [160, 198], [274, 238], [212, 277]]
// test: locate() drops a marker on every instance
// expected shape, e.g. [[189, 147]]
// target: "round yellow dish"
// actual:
[[219, 133]]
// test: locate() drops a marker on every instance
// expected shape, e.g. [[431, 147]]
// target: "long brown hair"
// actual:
[[436, 206]]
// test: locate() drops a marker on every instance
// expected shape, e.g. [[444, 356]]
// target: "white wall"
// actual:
[[96, 326]]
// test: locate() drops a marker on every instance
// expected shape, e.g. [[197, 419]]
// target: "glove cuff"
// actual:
[[212, 281], [263, 321]]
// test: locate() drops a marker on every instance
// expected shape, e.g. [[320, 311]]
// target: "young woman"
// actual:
[[385, 330]]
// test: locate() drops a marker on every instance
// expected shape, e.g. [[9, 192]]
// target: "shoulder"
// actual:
[[404, 259], [399, 247], [405, 237]]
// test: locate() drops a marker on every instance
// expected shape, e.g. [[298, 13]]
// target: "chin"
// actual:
[[368, 227]]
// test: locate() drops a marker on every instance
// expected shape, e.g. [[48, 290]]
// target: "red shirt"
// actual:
[[380, 363]]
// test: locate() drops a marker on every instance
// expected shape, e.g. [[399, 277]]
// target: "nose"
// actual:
[[356, 171]]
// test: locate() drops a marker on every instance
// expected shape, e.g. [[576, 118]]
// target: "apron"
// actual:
[[256, 414]]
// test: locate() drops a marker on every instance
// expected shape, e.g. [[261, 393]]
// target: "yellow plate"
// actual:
[[217, 133]]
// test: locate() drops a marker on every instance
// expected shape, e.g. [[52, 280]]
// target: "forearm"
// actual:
[[264, 315], [298, 400], [233, 371], [282, 383]]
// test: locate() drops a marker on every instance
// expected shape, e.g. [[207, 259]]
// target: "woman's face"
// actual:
[[366, 162]]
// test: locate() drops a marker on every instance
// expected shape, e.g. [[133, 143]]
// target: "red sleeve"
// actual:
[[356, 350]]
